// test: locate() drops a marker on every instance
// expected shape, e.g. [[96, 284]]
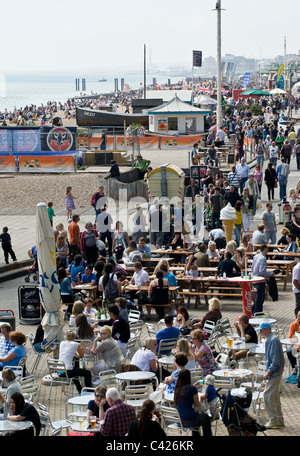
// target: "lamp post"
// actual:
[[219, 95]]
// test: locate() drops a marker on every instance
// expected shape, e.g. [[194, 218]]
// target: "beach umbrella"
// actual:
[[277, 91], [254, 92], [52, 321]]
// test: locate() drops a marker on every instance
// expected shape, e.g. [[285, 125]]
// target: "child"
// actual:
[[50, 212], [180, 361], [70, 205], [5, 240], [210, 395], [89, 311]]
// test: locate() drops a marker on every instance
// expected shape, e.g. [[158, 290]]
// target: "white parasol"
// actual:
[[277, 91], [52, 321]]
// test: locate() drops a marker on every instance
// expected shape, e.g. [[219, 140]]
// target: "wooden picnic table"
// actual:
[[278, 254], [208, 287], [172, 290]]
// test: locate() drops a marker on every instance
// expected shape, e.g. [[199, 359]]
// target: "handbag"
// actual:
[[275, 184]]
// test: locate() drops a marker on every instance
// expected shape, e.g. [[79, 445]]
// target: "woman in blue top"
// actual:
[[291, 246], [186, 398], [15, 355], [98, 406]]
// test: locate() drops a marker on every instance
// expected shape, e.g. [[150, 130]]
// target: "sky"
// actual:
[[63, 35]]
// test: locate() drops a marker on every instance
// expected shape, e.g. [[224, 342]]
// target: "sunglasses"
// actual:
[[100, 395]]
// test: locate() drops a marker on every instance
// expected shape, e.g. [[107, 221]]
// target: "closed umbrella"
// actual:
[[52, 321]]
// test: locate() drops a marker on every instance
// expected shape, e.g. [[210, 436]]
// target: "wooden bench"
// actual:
[[198, 294]]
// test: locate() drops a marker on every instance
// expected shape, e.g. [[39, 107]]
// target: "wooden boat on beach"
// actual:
[[98, 118]]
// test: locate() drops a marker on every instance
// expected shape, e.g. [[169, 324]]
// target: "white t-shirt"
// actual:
[[273, 152], [67, 350], [141, 277], [142, 359]]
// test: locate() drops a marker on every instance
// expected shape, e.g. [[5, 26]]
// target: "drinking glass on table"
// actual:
[[93, 421]]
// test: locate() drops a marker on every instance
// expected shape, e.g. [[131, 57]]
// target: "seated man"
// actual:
[[259, 236], [228, 266], [294, 349], [5, 344], [212, 155], [140, 276], [144, 248], [118, 416], [169, 332], [243, 328], [89, 276]]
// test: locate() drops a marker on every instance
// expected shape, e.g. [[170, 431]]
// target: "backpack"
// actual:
[[111, 290], [93, 200]]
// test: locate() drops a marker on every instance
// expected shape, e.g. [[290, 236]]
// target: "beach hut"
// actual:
[[176, 117], [166, 181]]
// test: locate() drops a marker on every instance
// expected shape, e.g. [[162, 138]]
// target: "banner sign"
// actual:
[[7, 164], [59, 139], [26, 140], [246, 80], [197, 58], [183, 142], [5, 141], [46, 163]]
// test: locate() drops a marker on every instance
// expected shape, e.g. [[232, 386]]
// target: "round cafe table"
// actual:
[[257, 321], [134, 375], [246, 291], [86, 427], [12, 426], [232, 373]]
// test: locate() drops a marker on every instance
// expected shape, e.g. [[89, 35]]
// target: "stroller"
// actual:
[[234, 412], [33, 268]]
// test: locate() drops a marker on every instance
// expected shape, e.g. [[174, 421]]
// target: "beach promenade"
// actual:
[[22, 229]]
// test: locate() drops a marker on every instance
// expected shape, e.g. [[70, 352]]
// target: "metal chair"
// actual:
[[224, 328], [136, 330], [59, 375], [130, 349], [135, 395], [196, 376], [209, 327], [172, 424], [166, 345], [29, 392], [151, 329], [45, 417], [133, 316], [108, 379]]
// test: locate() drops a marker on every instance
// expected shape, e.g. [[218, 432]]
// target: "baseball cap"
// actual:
[[264, 325]]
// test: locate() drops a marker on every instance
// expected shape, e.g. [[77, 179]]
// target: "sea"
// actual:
[[18, 90]]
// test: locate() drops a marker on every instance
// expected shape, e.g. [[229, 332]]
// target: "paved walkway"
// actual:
[[22, 229]]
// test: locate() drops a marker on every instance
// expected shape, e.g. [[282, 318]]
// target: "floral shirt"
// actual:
[[207, 361]]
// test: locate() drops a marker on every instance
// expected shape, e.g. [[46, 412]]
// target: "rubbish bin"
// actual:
[[284, 211], [30, 308]]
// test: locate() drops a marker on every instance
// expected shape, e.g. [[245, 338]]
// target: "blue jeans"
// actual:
[[254, 205], [201, 419], [243, 182], [282, 188], [237, 232], [298, 160], [260, 297], [270, 236]]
